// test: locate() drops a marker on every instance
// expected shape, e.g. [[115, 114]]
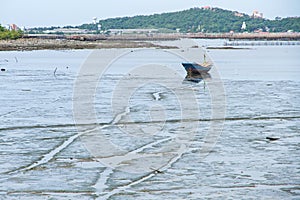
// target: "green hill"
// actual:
[[214, 20]]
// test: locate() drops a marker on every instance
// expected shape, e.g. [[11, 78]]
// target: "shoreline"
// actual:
[[30, 44], [69, 42]]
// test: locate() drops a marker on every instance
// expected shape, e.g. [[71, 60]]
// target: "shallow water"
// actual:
[[44, 155]]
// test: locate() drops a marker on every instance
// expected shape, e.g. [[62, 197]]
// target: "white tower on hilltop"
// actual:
[[244, 26], [95, 20]]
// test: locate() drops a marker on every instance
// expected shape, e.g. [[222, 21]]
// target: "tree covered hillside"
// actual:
[[212, 20]]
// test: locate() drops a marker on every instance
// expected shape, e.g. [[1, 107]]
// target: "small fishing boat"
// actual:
[[197, 68], [195, 71], [192, 67]]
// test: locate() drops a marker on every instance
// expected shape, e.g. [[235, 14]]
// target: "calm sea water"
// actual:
[[45, 156]]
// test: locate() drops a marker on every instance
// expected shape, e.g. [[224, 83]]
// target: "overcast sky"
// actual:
[[32, 13]]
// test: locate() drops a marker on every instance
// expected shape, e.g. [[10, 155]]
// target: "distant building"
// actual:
[[206, 8], [67, 31], [238, 14], [132, 31], [13, 27], [244, 26], [260, 30], [95, 20], [257, 14]]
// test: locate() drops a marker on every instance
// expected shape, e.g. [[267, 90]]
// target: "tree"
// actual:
[[7, 34]]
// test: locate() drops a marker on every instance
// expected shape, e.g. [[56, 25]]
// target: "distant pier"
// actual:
[[261, 43], [247, 36]]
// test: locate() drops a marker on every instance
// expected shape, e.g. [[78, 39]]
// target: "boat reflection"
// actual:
[[197, 78]]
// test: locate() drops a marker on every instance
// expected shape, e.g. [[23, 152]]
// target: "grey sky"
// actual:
[[71, 12]]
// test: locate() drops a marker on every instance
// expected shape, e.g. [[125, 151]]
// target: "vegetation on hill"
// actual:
[[212, 20], [9, 34]]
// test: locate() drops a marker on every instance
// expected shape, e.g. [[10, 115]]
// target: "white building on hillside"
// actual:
[[244, 26]]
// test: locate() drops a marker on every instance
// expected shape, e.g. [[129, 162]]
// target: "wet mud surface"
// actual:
[[43, 154]]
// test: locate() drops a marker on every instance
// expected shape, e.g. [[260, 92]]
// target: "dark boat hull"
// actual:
[[196, 68], [196, 72]]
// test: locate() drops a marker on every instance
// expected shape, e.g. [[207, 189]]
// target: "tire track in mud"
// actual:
[[100, 184], [255, 118], [147, 176], [51, 154]]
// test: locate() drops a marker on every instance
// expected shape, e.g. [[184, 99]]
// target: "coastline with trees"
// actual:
[[137, 31]]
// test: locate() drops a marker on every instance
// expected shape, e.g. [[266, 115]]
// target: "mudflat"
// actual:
[[27, 44]]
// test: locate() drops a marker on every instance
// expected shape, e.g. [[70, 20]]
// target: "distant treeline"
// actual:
[[9, 34], [213, 20]]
